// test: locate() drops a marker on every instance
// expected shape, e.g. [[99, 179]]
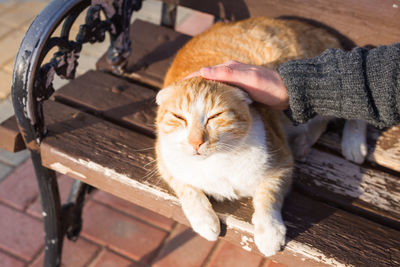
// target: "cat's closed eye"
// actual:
[[179, 117], [214, 116]]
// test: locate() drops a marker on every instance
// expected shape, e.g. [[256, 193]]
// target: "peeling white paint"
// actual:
[[313, 253], [353, 181], [113, 175], [294, 246], [245, 243], [233, 223], [66, 170]]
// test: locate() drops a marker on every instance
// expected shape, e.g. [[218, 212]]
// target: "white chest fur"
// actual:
[[229, 175]]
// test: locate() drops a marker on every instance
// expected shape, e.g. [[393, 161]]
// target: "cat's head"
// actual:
[[201, 117]]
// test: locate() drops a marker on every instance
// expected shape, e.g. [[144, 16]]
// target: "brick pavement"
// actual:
[[115, 232]]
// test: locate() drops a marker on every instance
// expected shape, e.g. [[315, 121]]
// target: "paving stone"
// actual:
[[5, 6], [5, 83], [20, 234], [25, 25], [182, 14], [86, 62], [8, 66], [74, 254], [22, 13], [6, 109], [230, 255], [19, 189], [195, 24], [271, 263], [4, 171], [182, 243], [121, 233], [13, 159], [150, 11], [97, 49], [64, 186], [58, 82], [134, 210], [9, 46], [8, 261], [109, 259], [4, 29]]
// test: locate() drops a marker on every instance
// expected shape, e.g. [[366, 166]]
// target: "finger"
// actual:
[[193, 74], [223, 73]]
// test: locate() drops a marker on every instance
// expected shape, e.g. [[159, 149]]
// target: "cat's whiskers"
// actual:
[[144, 149], [225, 147], [275, 151], [147, 164], [150, 175]]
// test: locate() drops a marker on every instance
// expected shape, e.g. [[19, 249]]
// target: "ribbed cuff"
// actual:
[[313, 87]]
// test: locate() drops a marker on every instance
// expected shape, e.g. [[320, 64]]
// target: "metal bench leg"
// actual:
[[72, 211], [50, 199], [33, 84]]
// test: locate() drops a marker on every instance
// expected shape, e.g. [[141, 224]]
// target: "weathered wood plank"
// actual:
[[372, 22], [153, 48], [361, 189], [383, 146], [119, 161], [113, 98], [326, 176], [10, 137]]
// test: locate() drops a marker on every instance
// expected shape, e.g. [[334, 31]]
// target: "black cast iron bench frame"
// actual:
[[32, 84]]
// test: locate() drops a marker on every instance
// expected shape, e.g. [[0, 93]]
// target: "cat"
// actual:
[[213, 140]]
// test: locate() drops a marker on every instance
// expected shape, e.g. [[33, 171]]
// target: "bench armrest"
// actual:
[[32, 78]]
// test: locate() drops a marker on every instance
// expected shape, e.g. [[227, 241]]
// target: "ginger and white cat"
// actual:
[[212, 140]]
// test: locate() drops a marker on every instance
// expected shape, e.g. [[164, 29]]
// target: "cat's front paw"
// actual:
[[269, 235], [354, 141], [207, 225]]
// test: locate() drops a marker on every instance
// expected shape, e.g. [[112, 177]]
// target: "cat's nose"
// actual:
[[196, 143]]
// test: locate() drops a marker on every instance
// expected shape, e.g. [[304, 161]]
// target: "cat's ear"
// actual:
[[243, 95], [163, 94]]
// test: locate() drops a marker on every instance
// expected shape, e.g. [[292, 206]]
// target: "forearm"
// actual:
[[360, 84]]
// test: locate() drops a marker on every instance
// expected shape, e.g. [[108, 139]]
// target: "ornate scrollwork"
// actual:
[[117, 14]]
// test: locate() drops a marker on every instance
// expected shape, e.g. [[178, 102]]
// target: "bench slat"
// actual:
[[113, 98], [383, 146], [10, 137], [366, 22], [153, 47], [326, 176], [357, 188], [119, 161]]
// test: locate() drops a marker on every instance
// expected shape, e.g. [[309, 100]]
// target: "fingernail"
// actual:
[[206, 71]]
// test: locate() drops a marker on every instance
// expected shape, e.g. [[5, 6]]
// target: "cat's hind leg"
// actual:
[[303, 136], [354, 140]]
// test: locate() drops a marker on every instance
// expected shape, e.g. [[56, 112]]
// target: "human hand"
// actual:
[[262, 84]]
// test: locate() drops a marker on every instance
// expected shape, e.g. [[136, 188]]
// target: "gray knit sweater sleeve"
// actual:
[[358, 84]]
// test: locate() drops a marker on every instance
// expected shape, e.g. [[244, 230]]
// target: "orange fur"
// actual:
[[216, 117], [258, 41]]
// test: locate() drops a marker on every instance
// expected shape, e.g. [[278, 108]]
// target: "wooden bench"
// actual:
[[99, 129]]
